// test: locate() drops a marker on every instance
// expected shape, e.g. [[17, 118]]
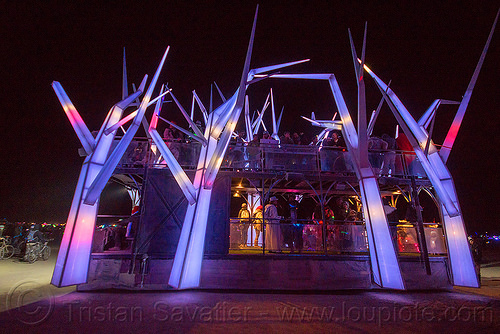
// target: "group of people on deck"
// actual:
[[284, 229]]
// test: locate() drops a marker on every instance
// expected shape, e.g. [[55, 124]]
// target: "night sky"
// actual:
[[428, 50]]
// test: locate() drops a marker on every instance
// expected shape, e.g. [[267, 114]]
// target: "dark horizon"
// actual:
[[428, 52]]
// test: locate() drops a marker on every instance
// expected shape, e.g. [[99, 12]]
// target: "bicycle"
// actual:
[[36, 250], [6, 250]]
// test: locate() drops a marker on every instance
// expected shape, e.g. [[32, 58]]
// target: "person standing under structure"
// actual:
[[244, 223], [273, 230], [257, 224], [295, 227]]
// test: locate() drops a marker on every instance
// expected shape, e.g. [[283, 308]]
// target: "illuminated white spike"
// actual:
[[374, 116], [457, 121], [105, 173], [317, 76], [124, 77], [187, 133], [362, 127], [220, 92], [192, 108], [186, 269], [258, 122], [348, 129], [256, 71], [248, 126], [223, 114], [202, 107], [220, 151], [313, 122], [279, 120], [322, 135], [83, 133], [131, 116], [273, 113], [425, 120], [419, 134], [135, 196]]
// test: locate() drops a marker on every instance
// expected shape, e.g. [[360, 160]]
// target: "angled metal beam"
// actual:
[[431, 130], [180, 176], [189, 120], [375, 114], [425, 120]]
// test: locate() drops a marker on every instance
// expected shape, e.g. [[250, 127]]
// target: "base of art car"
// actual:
[[279, 273]]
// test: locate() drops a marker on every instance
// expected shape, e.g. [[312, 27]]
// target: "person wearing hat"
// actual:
[[257, 224], [273, 229], [244, 217]]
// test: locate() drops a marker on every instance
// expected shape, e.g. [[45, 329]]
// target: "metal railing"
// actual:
[[303, 236], [252, 236], [295, 158]]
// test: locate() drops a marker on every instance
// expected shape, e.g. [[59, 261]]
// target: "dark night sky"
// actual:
[[428, 50]]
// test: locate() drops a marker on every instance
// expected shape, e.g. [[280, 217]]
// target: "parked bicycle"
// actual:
[[6, 250], [37, 250]]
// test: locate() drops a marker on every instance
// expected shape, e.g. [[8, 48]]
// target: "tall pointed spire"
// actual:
[[124, 81], [457, 121]]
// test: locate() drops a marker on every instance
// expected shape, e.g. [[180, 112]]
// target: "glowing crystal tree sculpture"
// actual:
[[434, 163], [221, 123], [74, 254]]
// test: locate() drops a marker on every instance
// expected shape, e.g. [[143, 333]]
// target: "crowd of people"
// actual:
[[266, 151]]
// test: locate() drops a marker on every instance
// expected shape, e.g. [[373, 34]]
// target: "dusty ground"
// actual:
[[29, 302]]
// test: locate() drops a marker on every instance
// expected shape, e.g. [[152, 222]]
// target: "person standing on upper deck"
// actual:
[[286, 139]]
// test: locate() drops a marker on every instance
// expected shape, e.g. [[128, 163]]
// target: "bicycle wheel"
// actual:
[[1, 253], [8, 251], [32, 255], [45, 253]]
